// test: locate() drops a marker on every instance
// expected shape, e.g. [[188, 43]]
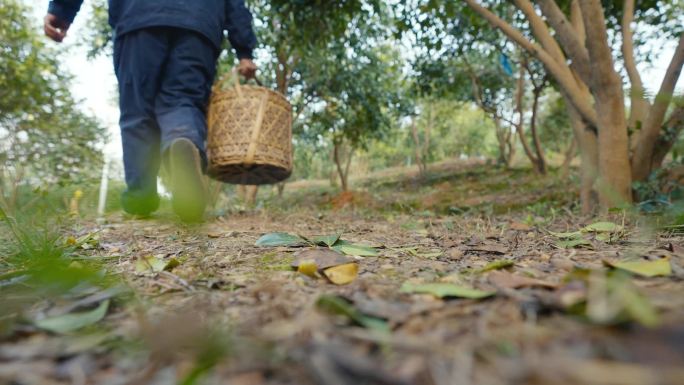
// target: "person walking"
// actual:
[[165, 55]]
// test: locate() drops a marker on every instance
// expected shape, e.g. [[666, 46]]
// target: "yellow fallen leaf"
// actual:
[[658, 267], [308, 268], [342, 274]]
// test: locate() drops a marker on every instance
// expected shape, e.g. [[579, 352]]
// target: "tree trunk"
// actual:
[[537, 160], [418, 149], [248, 193], [346, 168], [615, 179], [426, 140], [503, 138], [672, 128], [422, 147], [569, 156], [503, 134], [342, 172], [283, 73], [541, 159], [585, 136], [639, 105], [587, 144], [642, 160], [510, 145], [519, 93]]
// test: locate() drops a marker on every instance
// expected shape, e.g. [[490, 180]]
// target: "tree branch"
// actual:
[[569, 37], [672, 129], [541, 159], [639, 104], [642, 161], [519, 127], [541, 31], [567, 82], [628, 45], [578, 23]]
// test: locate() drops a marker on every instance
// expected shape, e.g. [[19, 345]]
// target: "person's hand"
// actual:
[[55, 28], [247, 68]]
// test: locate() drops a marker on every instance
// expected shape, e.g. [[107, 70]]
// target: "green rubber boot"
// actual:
[[187, 181], [139, 204]]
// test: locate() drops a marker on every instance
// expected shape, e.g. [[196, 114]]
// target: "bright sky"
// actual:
[[95, 82]]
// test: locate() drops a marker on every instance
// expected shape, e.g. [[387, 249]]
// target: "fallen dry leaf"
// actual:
[[342, 274], [658, 267], [322, 257], [308, 268], [442, 290]]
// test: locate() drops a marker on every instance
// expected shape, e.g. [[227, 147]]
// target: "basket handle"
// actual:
[[236, 80]]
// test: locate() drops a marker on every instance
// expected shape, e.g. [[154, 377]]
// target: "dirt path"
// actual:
[[227, 311]]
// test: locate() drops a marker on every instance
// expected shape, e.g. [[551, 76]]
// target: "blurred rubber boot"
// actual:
[[139, 203], [188, 196]]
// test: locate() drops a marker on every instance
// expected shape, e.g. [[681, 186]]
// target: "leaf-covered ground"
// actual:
[[536, 296]]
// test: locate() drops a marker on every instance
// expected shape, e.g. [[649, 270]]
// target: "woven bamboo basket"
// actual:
[[250, 134]]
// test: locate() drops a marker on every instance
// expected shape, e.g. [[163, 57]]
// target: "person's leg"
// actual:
[[181, 113], [138, 60], [183, 97]]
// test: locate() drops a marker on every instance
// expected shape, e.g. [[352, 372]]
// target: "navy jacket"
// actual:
[[208, 17]]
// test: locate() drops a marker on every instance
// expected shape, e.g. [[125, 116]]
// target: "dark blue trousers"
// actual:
[[165, 76]]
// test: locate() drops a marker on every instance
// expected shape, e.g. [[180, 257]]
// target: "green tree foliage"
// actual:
[[355, 98], [458, 130], [44, 137]]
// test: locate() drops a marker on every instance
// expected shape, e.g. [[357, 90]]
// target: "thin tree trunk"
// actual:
[[248, 193], [519, 109], [537, 160], [503, 138], [642, 159], [541, 159], [615, 179], [569, 156], [672, 128], [500, 141], [503, 134], [350, 155], [639, 104], [418, 147], [426, 140], [510, 145], [252, 192], [587, 144], [342, 172]]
